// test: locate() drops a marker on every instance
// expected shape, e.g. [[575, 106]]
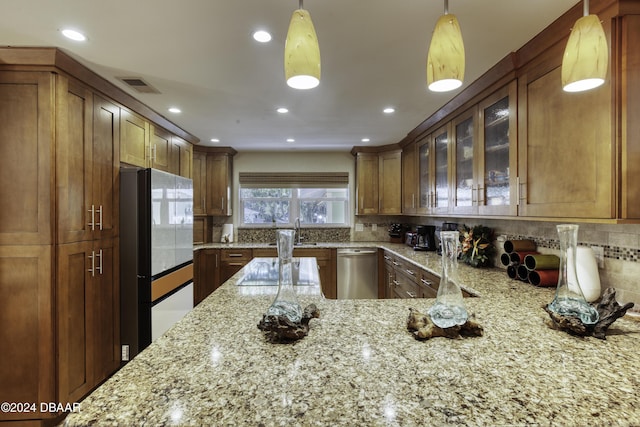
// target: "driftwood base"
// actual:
[[608, 309], [422, 328], [279, 329]]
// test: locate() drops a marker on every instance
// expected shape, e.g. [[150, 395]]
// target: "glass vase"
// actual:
[[449, 309], [286, 302], [569, 299]]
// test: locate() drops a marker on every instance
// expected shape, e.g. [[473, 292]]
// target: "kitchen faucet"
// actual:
[[296, 227]]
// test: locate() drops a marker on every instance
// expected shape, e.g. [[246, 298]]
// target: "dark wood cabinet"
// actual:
[[207, 273], [232, 261], [87, 316], [134, 140]]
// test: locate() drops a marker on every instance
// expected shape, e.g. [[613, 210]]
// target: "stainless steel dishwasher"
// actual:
[[357, 273]]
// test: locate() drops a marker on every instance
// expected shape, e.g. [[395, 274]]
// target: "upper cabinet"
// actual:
[[464, 174], [378, 182], [497, 153], [514, 144], [390, 168], [212, 181], [409, 179], [367, 183], [134, 140]]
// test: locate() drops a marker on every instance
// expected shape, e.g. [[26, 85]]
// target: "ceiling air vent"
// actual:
[[138, 84]]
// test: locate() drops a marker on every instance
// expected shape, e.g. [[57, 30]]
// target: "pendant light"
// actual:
[[301, 52], [445, 60], [584, 64]]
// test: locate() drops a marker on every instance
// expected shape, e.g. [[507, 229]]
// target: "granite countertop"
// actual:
[[360, 367]]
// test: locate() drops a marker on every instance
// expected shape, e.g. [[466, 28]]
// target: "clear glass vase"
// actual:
[[569, 299], [449, 309], [286, 302]]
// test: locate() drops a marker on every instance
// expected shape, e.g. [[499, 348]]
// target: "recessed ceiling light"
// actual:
[[282, 110], [175, 110], [365, 140], [262, 36], [389, 110], [73, 35], [215, 140], [291, 140]]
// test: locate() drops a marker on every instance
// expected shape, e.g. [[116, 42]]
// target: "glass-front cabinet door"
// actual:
[[425, 181], [464, 185], [497, 142], [441, 137]]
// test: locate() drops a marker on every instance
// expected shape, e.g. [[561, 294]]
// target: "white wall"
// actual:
[[293, 162]]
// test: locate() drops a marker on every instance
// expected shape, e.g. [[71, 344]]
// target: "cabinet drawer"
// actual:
[[405, 287], [320, 254], [428, 284], [265, 252], [236, 255]]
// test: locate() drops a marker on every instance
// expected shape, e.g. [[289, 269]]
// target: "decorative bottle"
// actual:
[[449, 309], [569, 299], [286, 302]]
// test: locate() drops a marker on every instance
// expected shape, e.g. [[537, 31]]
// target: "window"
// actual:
[[266, 199]]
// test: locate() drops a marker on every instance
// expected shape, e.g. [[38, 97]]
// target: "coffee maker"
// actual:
[[426, 240]]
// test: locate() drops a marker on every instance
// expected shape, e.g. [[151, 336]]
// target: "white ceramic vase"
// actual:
[[588, 275]]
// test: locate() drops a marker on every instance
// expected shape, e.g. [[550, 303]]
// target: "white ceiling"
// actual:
[[200, 55]]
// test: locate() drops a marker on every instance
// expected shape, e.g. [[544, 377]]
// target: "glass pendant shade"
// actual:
[[445, 60], [584, 64], [301, 52]]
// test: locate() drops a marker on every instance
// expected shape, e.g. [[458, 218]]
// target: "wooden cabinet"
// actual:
[[409, 179], [88, 164], [566, 154], [207, 273], [161, 147], [212, 181], [403, 279], [390, 178], [232, 261], [26, 155], [367, 183], [378, 183], [181, 158], [218, 184], [199, 182], [498, 153], [88, 302], [134, 140], [464, 181], [27, 330], [433, 171], [326, 259]]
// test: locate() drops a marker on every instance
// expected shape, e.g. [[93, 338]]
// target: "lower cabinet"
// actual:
[[326, 259], [405, 280], [206, 273], [88, 313], [232, 261], [27, 371]]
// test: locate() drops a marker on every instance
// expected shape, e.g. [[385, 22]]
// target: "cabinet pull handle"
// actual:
[[411, 272], [395, 283], [395, 263], [517, 190], [235, 264], [426, 282], [222, 204], [100, 218], [92, 270], [92, 224], [413, 200], [154, 153], [99, 268], [481, 195], [411, 294], [216, 260], [234, 255], [204, 207], [387, 257]]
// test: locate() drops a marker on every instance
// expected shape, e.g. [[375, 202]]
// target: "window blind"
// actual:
[[294, 179]]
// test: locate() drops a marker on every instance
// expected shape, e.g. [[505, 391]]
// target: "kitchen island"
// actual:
[[360, 367]]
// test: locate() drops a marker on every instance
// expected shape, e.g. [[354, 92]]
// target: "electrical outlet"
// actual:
[[598, 251], [374, 227], [125, 353], [359, 227]]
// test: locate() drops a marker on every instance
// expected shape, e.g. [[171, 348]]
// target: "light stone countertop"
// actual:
[[360, 367]]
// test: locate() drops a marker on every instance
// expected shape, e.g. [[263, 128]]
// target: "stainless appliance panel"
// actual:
[[357, 271]]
